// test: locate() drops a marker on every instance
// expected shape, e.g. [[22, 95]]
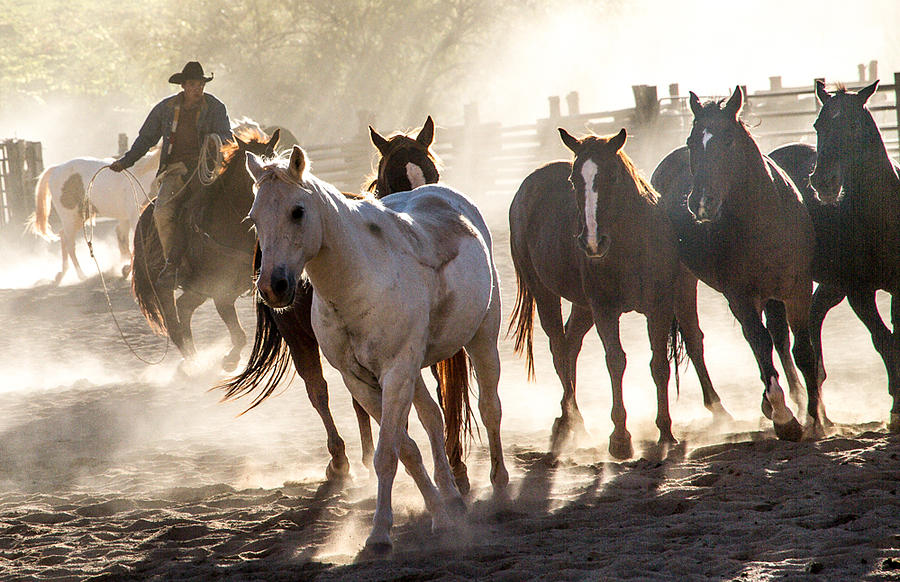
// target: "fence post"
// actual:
[[572, 104], [123, 144]]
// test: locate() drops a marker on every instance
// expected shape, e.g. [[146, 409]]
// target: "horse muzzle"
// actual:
[[594, 251], [826, 183], [706, 207], [278, 289]]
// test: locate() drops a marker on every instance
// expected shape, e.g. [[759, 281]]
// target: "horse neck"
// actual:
[[228, 200], [868, 170], [343, 256], [754, 187]]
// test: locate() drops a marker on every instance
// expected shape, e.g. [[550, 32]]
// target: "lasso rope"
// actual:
[[89, 240], [208, 169]]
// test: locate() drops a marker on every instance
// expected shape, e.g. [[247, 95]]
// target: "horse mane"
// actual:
[[247, 130]]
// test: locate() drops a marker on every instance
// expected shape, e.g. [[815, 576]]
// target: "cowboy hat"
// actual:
[[191, 71]]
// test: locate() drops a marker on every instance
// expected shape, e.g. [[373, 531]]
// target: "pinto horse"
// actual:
[[754, 243], [398, 285], [65, 188], [219, 259], [858, 231], [286, 335], [593, 232]]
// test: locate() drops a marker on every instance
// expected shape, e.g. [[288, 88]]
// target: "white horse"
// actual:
[[398, 285], [64, 187]]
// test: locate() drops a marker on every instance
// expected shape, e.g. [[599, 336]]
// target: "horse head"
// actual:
[[288, 224], [406, 163], [598, 174], [719, 147], [844, 129]]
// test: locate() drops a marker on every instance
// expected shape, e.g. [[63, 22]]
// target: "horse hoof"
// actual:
[[461, 477], [559, 436], [455, 506], [766, 407], [337, 471], [378, 549], [620, 447], [894, 424], [789, 431], [230, 362], [667, 439], [499, 479], [814, 431]]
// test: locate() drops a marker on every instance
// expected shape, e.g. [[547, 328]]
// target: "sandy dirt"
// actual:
[[113, 469]]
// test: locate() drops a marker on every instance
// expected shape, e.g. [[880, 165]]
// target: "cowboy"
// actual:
[[183, 121]]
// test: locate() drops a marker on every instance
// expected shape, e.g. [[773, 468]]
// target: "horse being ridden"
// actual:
[[65, 188], [286, 334], [218, 261], [593, 232], [858, 231], [754, 243], [398, 285]]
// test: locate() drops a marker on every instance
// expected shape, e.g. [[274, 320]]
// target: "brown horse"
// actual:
[[672, 179], [754, 243], [858, 232], [219, 258], [593, 232], [286, 335]]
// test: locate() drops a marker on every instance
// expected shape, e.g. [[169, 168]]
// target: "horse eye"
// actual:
[[297, 213]]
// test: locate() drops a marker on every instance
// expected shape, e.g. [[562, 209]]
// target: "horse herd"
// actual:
[[401, 278]]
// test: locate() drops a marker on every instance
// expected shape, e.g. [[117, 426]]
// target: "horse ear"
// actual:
[[696, 107], [426, 136], [297, 165], [254, 166], [379, 141], [821, 93], [273, 141], [570, 142], [867, 92], [735, 102], [618, 140]]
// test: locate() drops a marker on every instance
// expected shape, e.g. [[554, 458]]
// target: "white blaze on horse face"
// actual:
[[706, 137], [415, 175], [589, 172]]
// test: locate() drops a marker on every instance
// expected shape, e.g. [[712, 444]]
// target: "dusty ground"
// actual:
[[113, 469]]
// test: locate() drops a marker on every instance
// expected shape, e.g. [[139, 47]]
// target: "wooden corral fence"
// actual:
[[484, 158], [21, 163]]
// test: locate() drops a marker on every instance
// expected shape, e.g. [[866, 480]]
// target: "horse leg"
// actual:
[[607, 323], [185, 305], [122, 229], [365, 434], [863, 304], [773, 407], [226, 310], [64, 250], [776, 323], [550, 316], [485, 358], [659, 326], [824, 299], [689, 323], [430, 415], [578, 324], [70, 249], [304, 350], [798, 308]]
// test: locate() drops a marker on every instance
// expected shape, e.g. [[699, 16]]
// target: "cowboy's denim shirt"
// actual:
[[213, 118]]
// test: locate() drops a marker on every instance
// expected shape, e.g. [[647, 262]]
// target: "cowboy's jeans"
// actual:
[[172, 193]]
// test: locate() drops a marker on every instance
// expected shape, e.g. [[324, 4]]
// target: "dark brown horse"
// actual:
[[593, 232], [286, 335], [672, 179], [219, 257], [858, 231], [754, 243]]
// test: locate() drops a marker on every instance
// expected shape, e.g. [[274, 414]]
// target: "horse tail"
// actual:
[[147, 252], [677, 352], [270, 360], [39, 222], [453, 390], [522, 320]]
